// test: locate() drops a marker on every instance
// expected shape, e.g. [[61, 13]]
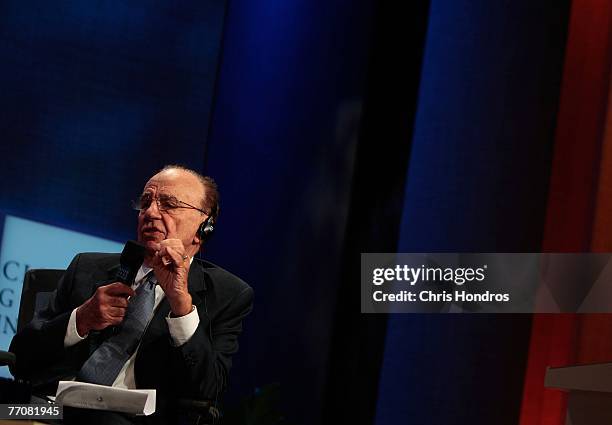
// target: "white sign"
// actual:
[[30, 245]]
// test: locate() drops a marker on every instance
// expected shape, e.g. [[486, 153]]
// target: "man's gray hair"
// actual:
[[210, 203]]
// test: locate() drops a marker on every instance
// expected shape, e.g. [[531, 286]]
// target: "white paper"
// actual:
[[103, 397]]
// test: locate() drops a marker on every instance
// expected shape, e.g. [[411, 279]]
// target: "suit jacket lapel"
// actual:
[[196, 282]]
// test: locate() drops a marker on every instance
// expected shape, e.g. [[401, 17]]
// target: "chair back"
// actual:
[[38, 284]]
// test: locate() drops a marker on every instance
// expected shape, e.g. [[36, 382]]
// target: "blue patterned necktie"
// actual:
[[103, 366]]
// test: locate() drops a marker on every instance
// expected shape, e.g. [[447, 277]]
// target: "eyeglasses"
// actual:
[[164, 203]]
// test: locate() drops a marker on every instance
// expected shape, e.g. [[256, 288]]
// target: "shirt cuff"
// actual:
[[72, 336], [182, 328]]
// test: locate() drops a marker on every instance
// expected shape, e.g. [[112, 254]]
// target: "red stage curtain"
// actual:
[[579, 213]]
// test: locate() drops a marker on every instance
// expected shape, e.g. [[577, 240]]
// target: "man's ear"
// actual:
[[197, 238]]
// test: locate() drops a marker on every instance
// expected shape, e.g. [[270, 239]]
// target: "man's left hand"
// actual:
[[171, 267]]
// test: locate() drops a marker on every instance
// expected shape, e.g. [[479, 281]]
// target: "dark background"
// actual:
[[332, 128]]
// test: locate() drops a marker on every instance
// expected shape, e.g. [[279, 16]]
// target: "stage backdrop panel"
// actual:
[[96, 96]]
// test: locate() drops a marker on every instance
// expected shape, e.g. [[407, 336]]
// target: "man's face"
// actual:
[[178, 223]]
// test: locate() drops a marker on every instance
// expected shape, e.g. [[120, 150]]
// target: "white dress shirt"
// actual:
[[181, 330]]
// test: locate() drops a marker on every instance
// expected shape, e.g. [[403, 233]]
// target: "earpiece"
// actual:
[[206, 229]]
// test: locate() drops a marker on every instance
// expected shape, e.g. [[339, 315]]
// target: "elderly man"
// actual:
[[193, 309]]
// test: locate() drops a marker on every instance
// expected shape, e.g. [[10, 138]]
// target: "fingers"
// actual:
[[176, 258], [176, 244], [117, 289], [106, 307], [112, 303], [172, 252], [97, 314], [118, 302], [115, 312]]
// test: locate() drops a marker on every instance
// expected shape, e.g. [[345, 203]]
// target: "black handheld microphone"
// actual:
[[131, 259]]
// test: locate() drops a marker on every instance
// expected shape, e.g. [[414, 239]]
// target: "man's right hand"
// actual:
[[105, 308]]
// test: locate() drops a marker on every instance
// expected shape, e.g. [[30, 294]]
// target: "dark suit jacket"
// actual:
[[197, 369]]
